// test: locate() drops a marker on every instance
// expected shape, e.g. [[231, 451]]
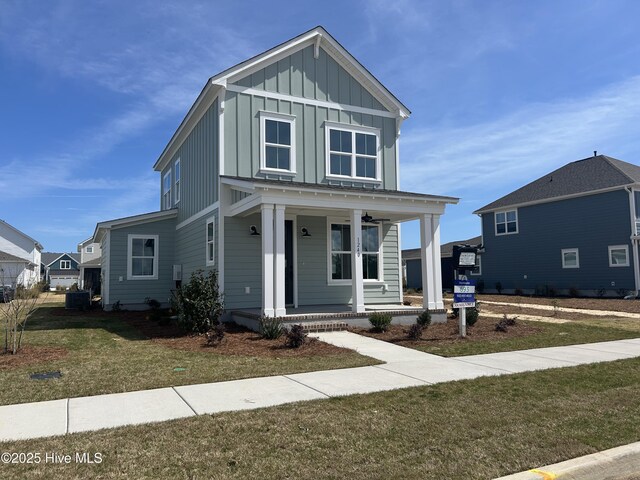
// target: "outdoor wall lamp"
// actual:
[[305, 232], [254, 231]]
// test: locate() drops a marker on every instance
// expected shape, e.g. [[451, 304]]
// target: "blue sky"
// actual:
[[501, 93]]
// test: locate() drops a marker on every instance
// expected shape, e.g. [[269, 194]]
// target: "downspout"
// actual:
[[634, 240]]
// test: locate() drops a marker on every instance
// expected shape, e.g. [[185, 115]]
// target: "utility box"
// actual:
[[77, 300]]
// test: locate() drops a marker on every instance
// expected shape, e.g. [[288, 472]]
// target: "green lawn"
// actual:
[[550, 335], [474, 429], [106, 355]]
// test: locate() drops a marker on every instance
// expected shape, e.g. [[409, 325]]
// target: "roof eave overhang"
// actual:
[[103, 227]]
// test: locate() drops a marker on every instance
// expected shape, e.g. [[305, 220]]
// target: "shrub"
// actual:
[[116, 306], [480, 286], [74, 287], [198, 303], [296, 336], [415, 332], [600, 292], [380, 321], [271, 327], [622, 292], [154, 305], [472, 316], [26, 293], [215, 336], [424, 319], [499, 287], [518, 291], [502, 325]]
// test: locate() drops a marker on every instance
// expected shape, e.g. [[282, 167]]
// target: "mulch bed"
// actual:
[[515, 311], [238, 340], [447, 333], [28, 354]]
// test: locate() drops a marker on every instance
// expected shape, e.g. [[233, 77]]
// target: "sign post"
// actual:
[[464, 295]]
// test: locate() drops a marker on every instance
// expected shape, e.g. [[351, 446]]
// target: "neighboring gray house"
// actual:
[[19, 257], [574, 228], [61, 270], [413, 267], [275, 178], [90, 265]]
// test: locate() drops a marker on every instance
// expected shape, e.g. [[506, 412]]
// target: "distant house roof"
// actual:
[[583, 176], [7, 257], [48, 258], [446, 250], [64, 273], [36, 243]]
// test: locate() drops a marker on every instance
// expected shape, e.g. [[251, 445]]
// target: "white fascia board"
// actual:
[[556, 199], [63, 255]]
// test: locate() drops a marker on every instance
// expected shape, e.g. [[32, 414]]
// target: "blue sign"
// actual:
[[464, 293]]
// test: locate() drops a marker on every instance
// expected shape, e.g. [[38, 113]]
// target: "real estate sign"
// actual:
[[464, 293]]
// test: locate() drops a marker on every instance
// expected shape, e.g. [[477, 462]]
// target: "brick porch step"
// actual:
[[327, 326]]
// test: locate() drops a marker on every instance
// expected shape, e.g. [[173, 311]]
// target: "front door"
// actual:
[[288, 262]]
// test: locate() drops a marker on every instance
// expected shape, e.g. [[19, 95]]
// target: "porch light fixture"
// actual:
[[305, 232], [254, 231]]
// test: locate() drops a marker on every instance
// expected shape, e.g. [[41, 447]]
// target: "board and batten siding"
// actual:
[[243, 262], [198, 156], [300, 78], [132, 293], [191, 246], [590, 223]]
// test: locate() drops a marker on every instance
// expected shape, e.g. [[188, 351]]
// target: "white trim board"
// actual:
[[196, 216]]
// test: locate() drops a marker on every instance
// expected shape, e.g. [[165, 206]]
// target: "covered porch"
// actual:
[[336, 238]]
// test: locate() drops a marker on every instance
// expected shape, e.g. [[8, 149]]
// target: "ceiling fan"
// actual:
[[366, 218]]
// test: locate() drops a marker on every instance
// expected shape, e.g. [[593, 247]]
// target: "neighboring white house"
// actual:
[[90, 265], [19, 257]]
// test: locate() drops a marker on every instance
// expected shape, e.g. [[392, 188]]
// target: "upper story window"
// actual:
[[176, 181], [142, 257], [570, 258], [352, 152], [89, 249], [277, 143], [65, 264], [619, 255], [166, 190], [506, 222]]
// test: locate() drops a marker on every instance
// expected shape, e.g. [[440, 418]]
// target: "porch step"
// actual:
[[330, 326]]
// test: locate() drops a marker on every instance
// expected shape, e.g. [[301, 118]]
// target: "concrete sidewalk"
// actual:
[[404, 367]]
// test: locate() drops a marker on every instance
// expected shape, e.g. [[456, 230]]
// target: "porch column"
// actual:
[[437, 265], [267, 260], [279, 277], [356, 261], [426, 257]]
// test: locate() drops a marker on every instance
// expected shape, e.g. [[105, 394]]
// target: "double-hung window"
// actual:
[[506, 222], [210, 243], [277, 138], [352, 152], [166, 190], [65, 264], [142, 257], [176, 181], [340, 253]]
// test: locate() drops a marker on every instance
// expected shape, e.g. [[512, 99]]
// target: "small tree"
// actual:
[[16, 309], [198, 303]]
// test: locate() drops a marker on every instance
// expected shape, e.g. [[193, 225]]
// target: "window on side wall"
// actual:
[[210, 242], [142, 257], [619, 256], [166, 190], [340, 252], [176, 181], [89, 250], [277, 138], [352, 152], [570, 258], [506, 222]]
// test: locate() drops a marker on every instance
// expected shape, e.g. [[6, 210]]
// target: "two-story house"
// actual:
[[61, 270], [19, 257], [283, 176], [574, 230], [90, 265]]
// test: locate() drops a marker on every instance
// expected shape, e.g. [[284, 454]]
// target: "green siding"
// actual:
[[243, 263], [199, 166], [132, 293], [191, 245]]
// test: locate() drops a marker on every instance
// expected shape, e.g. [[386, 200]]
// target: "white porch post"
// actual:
[[426, 257], [356, 261], [267, 260], [437, 266], [279, 280]]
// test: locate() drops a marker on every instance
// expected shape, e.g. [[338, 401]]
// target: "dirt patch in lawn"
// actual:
[[238, 340], [609, 304], [28, 355], [512, 311], [447, 333]]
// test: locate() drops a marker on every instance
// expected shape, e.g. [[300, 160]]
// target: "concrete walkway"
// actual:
[[404, 367]]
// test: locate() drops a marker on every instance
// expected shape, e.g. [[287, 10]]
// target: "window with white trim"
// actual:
[[142, 257], [619, 255], [89, 249], [65, 264], [277, 143], [210, 242], [477, 269], [570, 258], [506, 222], [352, 152], [166, 190], [340, 252], [176, 181]]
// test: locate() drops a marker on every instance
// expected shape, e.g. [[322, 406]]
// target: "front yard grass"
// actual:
[[101, 353], [474, 429]]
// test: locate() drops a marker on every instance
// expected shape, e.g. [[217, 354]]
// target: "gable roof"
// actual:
[[7, 257], [446, 250], [318, 37], [36, 243], [593, 174], [48, 258]]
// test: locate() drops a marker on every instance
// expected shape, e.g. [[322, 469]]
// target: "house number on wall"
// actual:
[[358, 247]]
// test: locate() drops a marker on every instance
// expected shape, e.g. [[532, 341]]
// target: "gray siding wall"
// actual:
[[590, 224], [243, 263], [191, 241], [198, 166], [131, 293], [242, 123]]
